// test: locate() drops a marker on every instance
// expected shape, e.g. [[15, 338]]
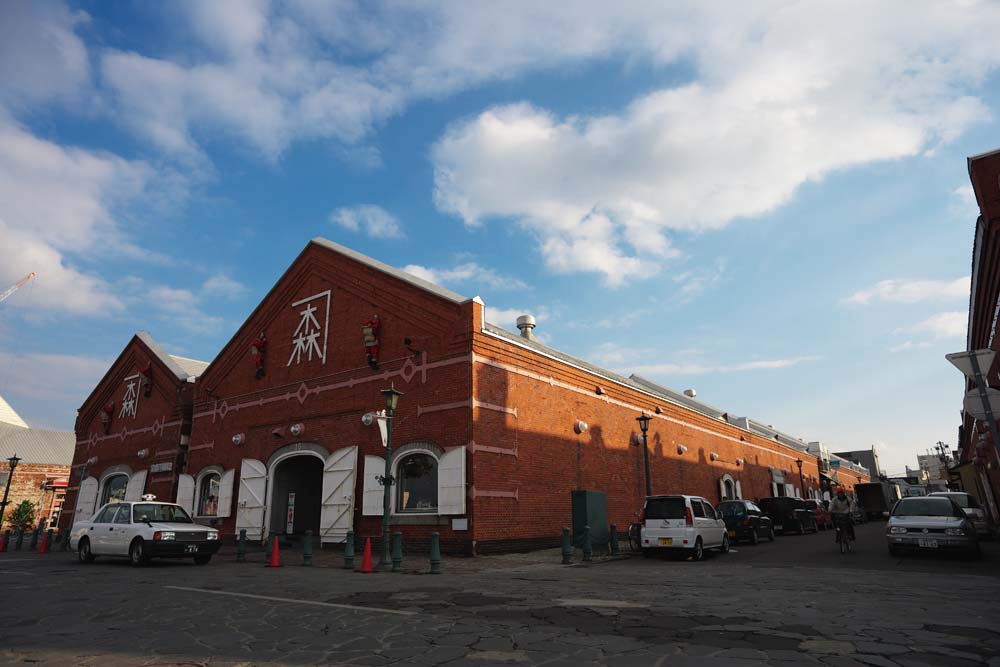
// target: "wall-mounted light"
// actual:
[[580, 426], [239, 439], [659, 410], [739, 462], [297, 429], [599, 390], [142, 453], [713, 456], [682, 449], [92, 460]]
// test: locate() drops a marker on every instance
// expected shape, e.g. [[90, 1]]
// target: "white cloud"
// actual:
[[703, 369], [964, 206], [467, 273], [41, 57], [223, 286], [183, 308], [951, 324], [58, 205], [59, 377], [912, 291], [373, 220], [507, 317], [693, 283]]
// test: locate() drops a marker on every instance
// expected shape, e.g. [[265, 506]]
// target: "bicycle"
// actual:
[[842, 523]]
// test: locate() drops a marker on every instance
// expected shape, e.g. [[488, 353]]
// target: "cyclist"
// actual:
[[842, 506]]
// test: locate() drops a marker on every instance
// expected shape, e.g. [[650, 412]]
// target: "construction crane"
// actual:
[[16, 286]]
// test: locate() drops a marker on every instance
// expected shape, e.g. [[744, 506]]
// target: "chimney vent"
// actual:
[[690, 393], [526, 323]]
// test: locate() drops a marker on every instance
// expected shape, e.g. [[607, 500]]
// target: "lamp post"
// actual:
[[644, 426], [802, 483], [391, 400], [12, 462]]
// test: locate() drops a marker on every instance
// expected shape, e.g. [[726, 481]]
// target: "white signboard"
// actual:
[[161, 467], [963, 361], [973, 403]]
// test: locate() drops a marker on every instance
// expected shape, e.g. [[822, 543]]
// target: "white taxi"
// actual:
[[143, 530]]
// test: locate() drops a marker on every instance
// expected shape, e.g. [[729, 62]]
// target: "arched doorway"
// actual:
[[296, 482]]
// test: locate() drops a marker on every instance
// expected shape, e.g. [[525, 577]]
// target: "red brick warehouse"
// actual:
[[493, 433]]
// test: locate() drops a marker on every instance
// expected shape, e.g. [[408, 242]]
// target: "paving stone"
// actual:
[[880, 648], [827, 647]]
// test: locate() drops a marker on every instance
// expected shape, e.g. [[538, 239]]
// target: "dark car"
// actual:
[[789, 515], [823, 517], [745, 521]]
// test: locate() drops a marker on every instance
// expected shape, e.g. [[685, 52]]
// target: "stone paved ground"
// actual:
[[792, 602]]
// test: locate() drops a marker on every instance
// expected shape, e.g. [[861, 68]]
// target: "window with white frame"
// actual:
[[208, 494], [417, 483], [114, 489]]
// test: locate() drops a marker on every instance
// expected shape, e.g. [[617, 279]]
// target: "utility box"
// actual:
[[590, 508]]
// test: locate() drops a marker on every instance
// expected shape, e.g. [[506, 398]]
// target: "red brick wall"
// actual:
[[552, 460], [27, 484]]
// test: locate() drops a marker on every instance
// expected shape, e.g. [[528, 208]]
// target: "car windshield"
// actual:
[[143, 512], [665, 508], [732, 509], [924, 507]]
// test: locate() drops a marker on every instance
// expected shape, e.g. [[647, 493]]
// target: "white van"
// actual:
[[682, 524]]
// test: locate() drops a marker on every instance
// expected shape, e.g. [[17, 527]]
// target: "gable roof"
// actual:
[[36, 445], [192, 367], [9, 416], [185, 369]]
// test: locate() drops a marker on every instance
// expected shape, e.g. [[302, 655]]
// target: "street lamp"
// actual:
[[644, 426], [802, 484], [12, 462], [391, 400]]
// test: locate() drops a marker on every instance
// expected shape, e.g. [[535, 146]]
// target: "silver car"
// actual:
[[930, 523], [980, 520]]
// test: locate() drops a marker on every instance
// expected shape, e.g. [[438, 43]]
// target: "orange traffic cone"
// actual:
[[366, 562], [43, 546], [275, 560]]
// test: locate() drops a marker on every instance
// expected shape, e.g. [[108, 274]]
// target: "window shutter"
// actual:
[[373, 494], [250, 510], [136, 485], [722, 488], [451, 482], [86, 500], [185, 492], [739, 490], [226, 493]]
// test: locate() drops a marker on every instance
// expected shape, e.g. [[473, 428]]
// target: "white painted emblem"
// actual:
[[130, 401], [310, 336]]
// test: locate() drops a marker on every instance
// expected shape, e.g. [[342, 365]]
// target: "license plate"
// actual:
[[778, 526], [930, 544], [732, 533], [191, 549], [666, 541]]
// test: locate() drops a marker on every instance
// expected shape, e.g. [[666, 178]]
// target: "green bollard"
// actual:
[[567, 547], [20, 540], [34, 540], [241, 547], [349, 551], [435, 553], [588, 550], [615, 551], [307, 549], [397, 551]]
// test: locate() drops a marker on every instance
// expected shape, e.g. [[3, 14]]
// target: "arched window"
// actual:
[[729, 490], [208, 494], [417, 483], [114, 489]]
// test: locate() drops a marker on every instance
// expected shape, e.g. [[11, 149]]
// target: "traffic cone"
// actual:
[[43, 547], [275, 557], [366, 562]]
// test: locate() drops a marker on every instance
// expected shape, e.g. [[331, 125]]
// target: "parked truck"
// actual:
[[876, 498]]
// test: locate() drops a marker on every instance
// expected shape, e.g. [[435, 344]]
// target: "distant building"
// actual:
[[866, 458], [42, 474]]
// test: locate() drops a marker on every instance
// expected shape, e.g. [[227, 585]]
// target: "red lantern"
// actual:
[[257, 349], [147, 380], [370, 334]]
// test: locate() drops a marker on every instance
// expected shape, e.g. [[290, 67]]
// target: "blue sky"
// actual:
[[768, 204]]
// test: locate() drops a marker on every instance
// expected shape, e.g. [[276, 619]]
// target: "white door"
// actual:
[[86, 500], [336, 515], [250, 508]]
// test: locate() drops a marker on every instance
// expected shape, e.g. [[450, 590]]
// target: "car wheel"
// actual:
[[699, 550], [83, 551], [137, 553], [770, 534], [754, 537], [202, 560], [724, 549]]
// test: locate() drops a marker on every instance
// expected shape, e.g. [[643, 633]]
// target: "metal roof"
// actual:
[[36, 445], [390, 270], [9, 416], [192, 367], [185, 369]]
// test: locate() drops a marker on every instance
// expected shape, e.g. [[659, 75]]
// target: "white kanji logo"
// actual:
[[130, 402], [310, 336]]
